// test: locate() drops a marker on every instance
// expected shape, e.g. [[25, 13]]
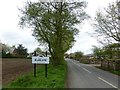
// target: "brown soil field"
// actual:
[[12, 68]]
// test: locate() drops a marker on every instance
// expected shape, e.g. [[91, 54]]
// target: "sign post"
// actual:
[[40, 60], [46, 67], [34, 65]]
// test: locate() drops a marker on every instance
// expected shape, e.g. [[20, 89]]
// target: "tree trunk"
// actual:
[[58, 54], [58, 58]]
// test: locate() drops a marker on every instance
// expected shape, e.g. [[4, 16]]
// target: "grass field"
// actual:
[[56, 78], [112, 71]]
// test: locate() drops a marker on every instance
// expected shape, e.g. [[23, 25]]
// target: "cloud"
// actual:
[[15, 37], [10, 32], [83, 43]]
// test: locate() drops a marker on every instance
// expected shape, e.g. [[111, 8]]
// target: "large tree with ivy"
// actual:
[[53, 23]]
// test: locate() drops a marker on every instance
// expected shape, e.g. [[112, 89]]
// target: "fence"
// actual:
[[90, 61], [110, 64], [105, 64]]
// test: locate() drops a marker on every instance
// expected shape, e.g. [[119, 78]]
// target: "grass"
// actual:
[[116, 72], [112, 71], [16, 59], [84, 61], [56, 78]]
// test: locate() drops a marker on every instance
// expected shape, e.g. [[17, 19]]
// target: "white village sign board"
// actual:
[[40, 60]]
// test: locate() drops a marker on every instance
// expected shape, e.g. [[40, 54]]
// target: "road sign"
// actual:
[[40, 60]]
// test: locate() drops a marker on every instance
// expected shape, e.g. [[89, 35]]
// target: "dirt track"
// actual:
[[12, 68]]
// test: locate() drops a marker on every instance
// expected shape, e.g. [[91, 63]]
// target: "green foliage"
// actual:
[[20, 51], [12, 52], [84, 60], [117, 72], [110, 51], [54, 23], [38, 50], [5, 52], [98, 52], [56, 78], [78, 55]]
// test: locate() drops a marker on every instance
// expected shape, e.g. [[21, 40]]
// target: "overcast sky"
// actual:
[[12, 34]]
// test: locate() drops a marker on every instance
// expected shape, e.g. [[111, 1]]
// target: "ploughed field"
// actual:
[[12, 68]]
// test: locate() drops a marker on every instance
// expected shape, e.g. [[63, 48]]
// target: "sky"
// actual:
[[12, 34]]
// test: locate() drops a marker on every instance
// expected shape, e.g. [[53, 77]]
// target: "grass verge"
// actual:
[[56, 78], [112, 71]]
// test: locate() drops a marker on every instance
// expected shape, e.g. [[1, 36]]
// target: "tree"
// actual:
[[38, 50], [20, 51], [98, 52], [54, 23], [5, 50], [112, 50], [107, 24], [3, 53], [78, 55]]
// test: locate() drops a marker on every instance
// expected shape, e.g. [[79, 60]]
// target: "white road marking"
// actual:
[[107, 82], [86, 70], [76, 64], [98, 77], [82, 67]]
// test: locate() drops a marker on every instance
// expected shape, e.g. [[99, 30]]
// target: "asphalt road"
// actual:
[[87, 76]]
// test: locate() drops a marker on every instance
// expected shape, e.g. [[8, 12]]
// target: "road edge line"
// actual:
[[108, 83], [86, 70]]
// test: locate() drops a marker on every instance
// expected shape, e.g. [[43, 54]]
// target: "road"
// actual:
[[87, 76]]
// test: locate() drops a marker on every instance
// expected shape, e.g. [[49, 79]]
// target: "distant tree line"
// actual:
[[13, 52], [76, 55], [20, 51], [110, 51]]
